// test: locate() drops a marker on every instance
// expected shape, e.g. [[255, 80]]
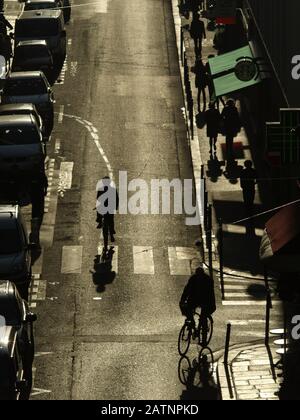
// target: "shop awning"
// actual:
[[223, 71], [280, 245]]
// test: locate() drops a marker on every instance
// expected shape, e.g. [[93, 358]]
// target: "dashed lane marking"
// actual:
[[65, 177], [61, 114]]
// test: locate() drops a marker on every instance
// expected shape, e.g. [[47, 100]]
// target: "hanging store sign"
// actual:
[[225, 12]]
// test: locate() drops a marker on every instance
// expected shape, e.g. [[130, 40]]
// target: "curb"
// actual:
[[193, 140]]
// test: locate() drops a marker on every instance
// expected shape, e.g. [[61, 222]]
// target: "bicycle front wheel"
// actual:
[[206, 328], [184, 339]]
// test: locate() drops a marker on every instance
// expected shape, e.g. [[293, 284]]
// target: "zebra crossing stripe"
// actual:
[[143, 260], [115, 257], [71, 260], [248, 302], [181, 259]]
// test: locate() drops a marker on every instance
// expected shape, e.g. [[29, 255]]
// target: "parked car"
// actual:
[[50, 4], [15, 250], [21, 144], [45, 25], [31, 87], [24, 109], [33, 55], [15, 372], [15, 312]]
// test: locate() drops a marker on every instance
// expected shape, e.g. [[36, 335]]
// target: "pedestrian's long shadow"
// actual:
[[102, 273]]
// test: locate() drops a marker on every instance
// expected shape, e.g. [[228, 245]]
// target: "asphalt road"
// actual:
[[101, 336], [112, 333]]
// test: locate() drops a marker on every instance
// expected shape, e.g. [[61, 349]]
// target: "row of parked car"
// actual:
[[26, 123]]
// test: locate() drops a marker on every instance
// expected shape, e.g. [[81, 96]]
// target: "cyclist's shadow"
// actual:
[[198, 378], [102, 273]]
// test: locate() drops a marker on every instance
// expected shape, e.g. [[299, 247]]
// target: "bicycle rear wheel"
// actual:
[[184, 339], [206, 329], [184, 370]]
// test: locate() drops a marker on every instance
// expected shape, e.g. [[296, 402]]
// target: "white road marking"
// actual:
[[65, 177], [95, 136], [70, 41], [181, 259], [71, 260], [238, 229], [61, 114], [248, 303], [143, 260], [246, 322]]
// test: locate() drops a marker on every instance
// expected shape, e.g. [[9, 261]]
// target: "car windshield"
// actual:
[[24, 87], [10, 237], [28, 28], [28, 52], [40, 6], [18, 136]]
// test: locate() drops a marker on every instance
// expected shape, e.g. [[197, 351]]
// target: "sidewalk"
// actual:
[[250, 374], [249, 366]]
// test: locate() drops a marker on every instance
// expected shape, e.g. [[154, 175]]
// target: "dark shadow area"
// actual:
[[232, 171], [102, 273], [197, 376], [232, 211], [257, 291], [215, 170]]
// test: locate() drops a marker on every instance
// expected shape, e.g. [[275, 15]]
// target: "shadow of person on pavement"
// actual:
[[102, 272], [214, 168], [197, 376], [232, 171]]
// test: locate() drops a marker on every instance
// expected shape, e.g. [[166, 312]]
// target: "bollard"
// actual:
[[221, 258], [227, 344], [181, 45], [209, 240], [268, 310]]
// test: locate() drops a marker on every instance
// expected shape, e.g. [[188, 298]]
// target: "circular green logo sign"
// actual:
[[245, 70]]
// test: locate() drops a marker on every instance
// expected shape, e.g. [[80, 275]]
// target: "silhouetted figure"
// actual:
[[199, 292], [248, 181], [212, 119], [211, 87], [231, 125], [200, 82], [4, 24], [197, 31], [107, 205]]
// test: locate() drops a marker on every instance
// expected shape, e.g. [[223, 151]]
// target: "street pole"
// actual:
[[227, 344], [221, 258], [209, 240]]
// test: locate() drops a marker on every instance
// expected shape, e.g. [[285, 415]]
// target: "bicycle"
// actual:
[[203, 333]]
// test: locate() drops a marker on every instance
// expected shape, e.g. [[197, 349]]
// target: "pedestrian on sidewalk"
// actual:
[[248, 181], [212, 119], [230, 126], [197, 31], [200, 82], [211, 87]]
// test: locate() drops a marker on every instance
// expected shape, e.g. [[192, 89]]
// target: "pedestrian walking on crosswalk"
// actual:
[[107, 206]]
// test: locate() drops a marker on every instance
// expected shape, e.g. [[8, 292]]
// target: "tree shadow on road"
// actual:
[[102, 272]]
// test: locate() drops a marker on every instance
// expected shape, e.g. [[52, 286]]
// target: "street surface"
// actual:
[[119, 107]]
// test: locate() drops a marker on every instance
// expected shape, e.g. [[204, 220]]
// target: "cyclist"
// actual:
[[199, 292], [107, 205]]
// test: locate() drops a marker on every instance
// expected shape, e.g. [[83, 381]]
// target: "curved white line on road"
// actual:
[[95, 136]]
